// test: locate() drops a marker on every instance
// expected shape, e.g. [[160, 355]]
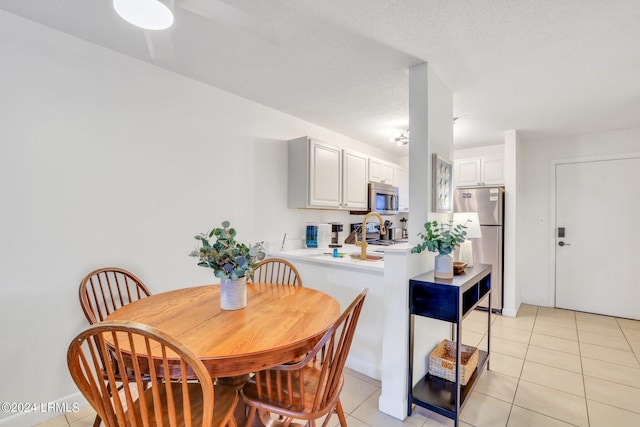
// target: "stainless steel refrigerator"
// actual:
[[488, 202]]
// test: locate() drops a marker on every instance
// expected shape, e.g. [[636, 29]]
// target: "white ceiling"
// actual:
[[543, 67]]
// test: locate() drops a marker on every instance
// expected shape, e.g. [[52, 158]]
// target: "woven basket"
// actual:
[[442, 361]]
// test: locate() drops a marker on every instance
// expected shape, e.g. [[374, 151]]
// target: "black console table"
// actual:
[[450, 300]]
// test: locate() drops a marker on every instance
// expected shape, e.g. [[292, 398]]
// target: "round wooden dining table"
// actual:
[[280, 323]]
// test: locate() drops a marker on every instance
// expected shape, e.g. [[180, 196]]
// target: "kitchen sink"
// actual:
[[370, 257], [355, 255]]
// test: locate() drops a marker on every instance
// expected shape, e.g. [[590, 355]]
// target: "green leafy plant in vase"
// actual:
[[441, 237], [231, 261]]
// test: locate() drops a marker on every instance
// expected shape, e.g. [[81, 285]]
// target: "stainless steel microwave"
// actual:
[[383, 198]]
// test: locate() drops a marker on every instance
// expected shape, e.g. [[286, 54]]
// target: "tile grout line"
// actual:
[[581, 374], [584, 385], [513, 403], [350, 414], [636, 355]]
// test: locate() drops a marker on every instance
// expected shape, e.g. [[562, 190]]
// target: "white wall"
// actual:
[[440, 122], [497, 150], [512, 296], [430, 111], [105, 160], [535, 218]]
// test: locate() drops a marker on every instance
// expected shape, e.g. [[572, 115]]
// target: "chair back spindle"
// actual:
[[276, 271], [107, 289]]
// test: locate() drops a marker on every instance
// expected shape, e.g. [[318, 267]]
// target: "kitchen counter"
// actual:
[[325, 256], [343, 278]]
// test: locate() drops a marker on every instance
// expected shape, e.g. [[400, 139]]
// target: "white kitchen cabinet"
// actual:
[[492, 170], [401, 180], [380, 171], [467, 172], [479, 171], [325, 176], [355, 172], [315, 174]]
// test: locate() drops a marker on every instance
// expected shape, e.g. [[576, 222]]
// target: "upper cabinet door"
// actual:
[[493, 170], [479, 171], [354, 180], [380, 171], [325, 177], [467, 172]]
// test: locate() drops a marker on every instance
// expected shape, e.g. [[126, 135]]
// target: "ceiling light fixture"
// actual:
[[402, 139], [147, 14]]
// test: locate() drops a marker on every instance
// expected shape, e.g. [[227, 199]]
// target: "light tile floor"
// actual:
[[549, 367]]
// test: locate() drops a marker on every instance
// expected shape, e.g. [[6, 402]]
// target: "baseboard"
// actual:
[[364, 368], [393, 407], [509, 312]]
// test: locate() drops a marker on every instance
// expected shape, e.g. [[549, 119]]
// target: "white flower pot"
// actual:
[[233, 293], [443, 268]]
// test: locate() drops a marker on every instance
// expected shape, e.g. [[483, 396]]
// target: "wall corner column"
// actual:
[[431, 127], [512, 297]]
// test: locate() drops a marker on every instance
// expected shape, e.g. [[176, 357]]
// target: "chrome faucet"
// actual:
[[363, 242]]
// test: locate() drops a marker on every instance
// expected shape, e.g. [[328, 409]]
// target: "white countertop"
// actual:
[[325, 256]]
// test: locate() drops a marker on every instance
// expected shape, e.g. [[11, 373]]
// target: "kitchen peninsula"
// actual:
[[343, 277], [380, 346]]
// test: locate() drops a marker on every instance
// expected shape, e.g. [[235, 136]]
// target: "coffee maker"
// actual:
[[336, 227]]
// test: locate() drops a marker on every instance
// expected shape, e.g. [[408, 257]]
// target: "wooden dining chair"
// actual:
[[277, 271], [308, 389], [107, 289], [180, 392]]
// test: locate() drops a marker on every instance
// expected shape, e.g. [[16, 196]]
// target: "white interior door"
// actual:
[[598, 205]]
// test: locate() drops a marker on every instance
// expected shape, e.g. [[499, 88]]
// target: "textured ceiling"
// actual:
[[543, 67]]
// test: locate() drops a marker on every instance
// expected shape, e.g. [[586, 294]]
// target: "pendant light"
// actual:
[[147, 14]]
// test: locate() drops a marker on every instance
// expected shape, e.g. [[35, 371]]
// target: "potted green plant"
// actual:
[[231, 261], [441, 237]]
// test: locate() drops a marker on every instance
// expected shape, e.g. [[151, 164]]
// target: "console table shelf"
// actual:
[[451, 301]]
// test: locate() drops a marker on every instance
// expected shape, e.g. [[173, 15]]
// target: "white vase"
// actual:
[[233, 293], [443, 268]]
